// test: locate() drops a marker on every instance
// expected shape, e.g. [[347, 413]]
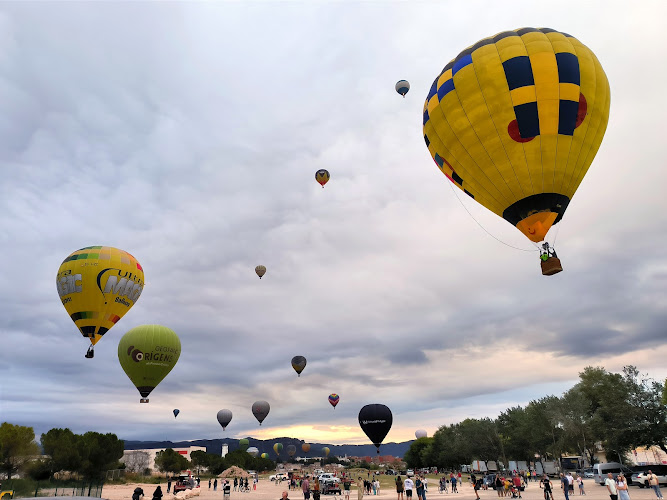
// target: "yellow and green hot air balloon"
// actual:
[[278, 447], [326, 451], [264, 455], [516, 120], [147, 354], [98, 285]]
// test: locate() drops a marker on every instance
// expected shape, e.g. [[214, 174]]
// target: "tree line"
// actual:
[[617, 411], [89, 455]]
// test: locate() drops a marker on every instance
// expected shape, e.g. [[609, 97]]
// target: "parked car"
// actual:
[[184, 483], [588, 474], [390, 472], [410, 473], [330, 486], [278, 477], [641, 478]]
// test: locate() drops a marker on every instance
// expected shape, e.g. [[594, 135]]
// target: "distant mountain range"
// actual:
[[214, 446]]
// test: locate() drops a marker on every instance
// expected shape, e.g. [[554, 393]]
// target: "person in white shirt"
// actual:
[[409, 485], [611, 486]]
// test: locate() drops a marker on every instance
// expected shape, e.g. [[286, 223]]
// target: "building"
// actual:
[[139, 460]]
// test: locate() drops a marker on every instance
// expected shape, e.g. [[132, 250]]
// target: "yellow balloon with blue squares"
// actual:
[[516, 120], [98, 285]]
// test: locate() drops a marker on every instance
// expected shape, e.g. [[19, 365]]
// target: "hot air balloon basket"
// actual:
[[143, 400], [551, 266]]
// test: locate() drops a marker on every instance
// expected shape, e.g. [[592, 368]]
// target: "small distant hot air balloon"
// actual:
[[224, 416], [243, 444], [298, 363], [176, 412], [402, 87], [264, 455], [98, 285], [375, 420], [326, 451], [420, 433], [278, 447], [260, 409], [261, 271], [147, 354], [253, 452], [305, 447], [333, 399], [322, 176], [291, 450]]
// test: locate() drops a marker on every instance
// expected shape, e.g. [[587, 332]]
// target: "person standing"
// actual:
[[565, 485], [499, 485], [305, 487], [360, 488], [209, 485], [516, 480], [215, 484], [654, 483], [622, 488], [346, 487], [580, 482], [419, 484], [376, 485], [611, 486], [169, 485], [399, 488], [570, 481], [157, 494], [454, 481], [236, 483], [408, 484]]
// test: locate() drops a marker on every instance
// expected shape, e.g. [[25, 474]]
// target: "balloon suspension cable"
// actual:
[[485, 230]]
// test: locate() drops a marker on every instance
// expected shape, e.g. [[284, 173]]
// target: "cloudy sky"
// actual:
[[189, 134]]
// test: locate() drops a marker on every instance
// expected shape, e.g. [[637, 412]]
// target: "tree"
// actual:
[[664, 393], [414, 457], [200, 459], [137, 461], [99, 453], [170, 461], [62, 447], [17, 446]]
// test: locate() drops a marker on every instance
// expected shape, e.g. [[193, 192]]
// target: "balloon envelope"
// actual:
[[515, 121], [326, 451], [420, 433], [260, 409], [243, 444], [375, 420], [305, 447], [176, 412], [278, 447], [147, 354], [298, 363], [402, 87], [265, 455], [224, 416], [98, 285], [253, 451], [322, 176], [291, 450], [261, 271], [333, 399]]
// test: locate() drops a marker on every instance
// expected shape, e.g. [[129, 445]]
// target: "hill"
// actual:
[[214, 446]]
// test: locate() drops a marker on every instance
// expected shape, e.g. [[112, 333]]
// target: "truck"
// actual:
[[478, 466], [550, 468]]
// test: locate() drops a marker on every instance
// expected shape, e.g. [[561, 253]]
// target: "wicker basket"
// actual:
[[551, 266]]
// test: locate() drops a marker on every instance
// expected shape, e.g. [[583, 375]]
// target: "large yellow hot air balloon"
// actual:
[[98, 285], [516, 120]]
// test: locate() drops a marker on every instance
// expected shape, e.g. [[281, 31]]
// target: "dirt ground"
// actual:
[[267, 490]]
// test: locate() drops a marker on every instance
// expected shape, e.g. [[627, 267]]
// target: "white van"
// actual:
[[600, 471]]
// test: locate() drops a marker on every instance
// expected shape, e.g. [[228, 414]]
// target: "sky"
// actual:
[[188, 134]]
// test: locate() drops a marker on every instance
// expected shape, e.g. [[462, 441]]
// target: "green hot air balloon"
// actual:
[[147, 354], [264, 455], [243, 444]]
